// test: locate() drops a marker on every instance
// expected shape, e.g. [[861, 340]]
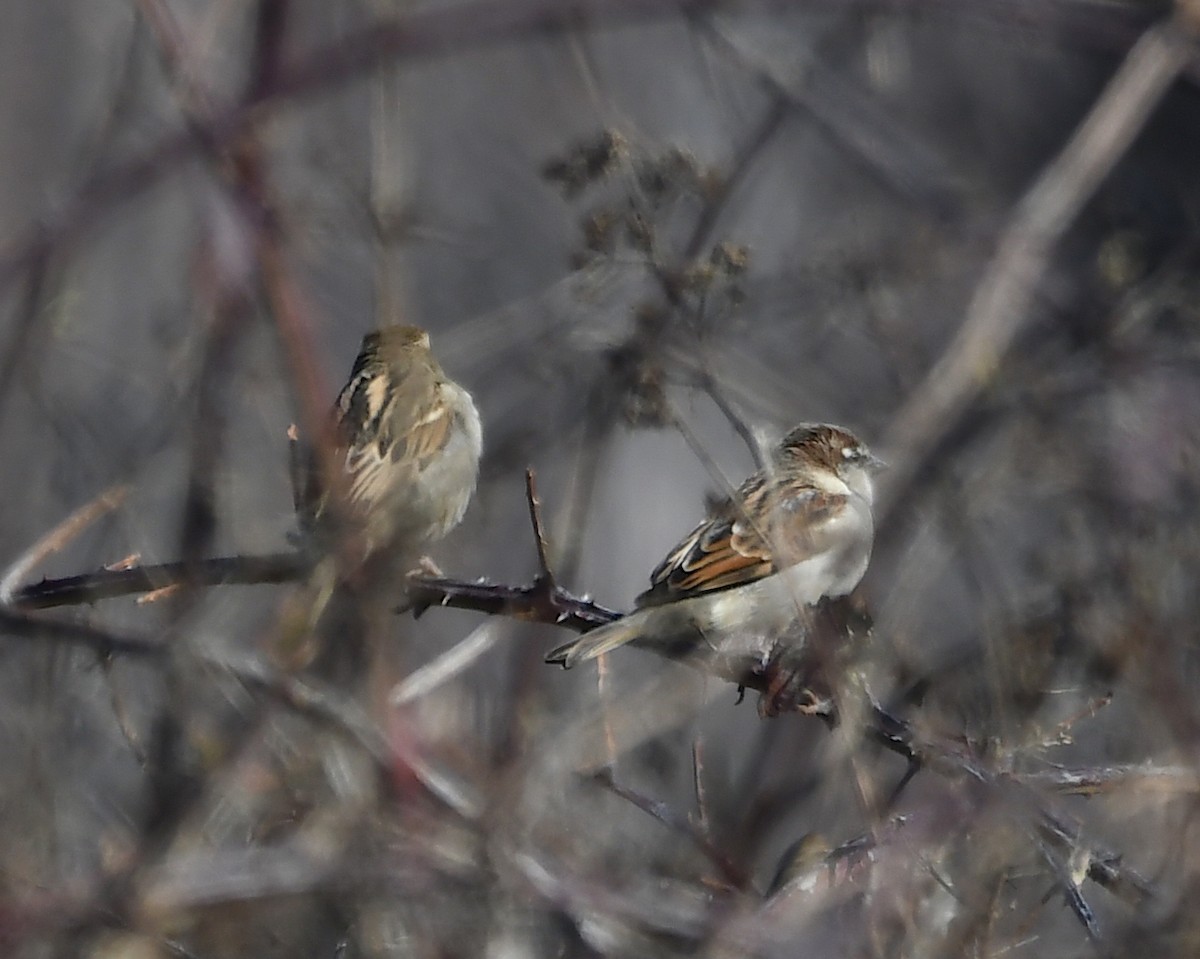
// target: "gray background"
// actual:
[[1045, 555]]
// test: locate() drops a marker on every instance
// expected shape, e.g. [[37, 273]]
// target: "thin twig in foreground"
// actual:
[[14, 623]]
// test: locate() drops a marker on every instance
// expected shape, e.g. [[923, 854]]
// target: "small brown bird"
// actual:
[[793, 534], [411, 440]]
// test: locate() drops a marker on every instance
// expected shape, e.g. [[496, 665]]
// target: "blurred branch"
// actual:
[[101, 641], [855, 119], [432, 32], [243, 169], [539, 532], [1061, 837], [443, 31], [1000, 307], [730, 871], [1098, 780], [545, 602]]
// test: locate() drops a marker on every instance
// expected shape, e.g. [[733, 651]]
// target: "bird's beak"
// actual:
[[875, 464]]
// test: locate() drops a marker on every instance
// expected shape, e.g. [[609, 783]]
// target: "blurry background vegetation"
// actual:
[[639, 231]]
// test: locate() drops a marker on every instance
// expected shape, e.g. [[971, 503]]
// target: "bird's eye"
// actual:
[[852, 453]]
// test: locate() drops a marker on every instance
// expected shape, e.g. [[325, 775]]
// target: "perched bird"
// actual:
[[799, 531], [411, 442]]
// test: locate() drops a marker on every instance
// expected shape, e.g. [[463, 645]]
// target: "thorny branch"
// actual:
[[543, 601], [111, 583]]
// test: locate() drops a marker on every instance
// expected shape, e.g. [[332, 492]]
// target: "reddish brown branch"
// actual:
[[539, 531]]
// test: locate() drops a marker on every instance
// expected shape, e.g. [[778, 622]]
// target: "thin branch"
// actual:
[[1142, 778], [111, 583], [952, 760], [716, 474], [853, 118], [435, 32], [58, 537], [708, 383], [423, 680], [103, 642], [543, 601], [445, 31], [730, 871], [539, 531], [530, 604], [702, 821]]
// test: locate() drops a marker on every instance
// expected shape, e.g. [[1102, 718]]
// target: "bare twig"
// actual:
[[121, 713], [1145, 778], [712, 388], [111, 583], [103, 642], [1059, 836], [530, 604], [297, 473], [539, 532], [439, 31], [716, 474], [461, 655], [702, 822], [421, 34], [543, 601], [891, 152], [58, 537], [730, 871]]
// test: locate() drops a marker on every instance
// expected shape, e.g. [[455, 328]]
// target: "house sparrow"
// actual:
[[411, 440], [793, 534]]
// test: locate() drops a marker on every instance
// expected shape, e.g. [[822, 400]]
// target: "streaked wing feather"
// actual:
[[376, 441], [428, 435], [727, 550]]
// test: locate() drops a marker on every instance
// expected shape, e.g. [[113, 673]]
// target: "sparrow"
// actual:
[[792, 534], [409, 439]]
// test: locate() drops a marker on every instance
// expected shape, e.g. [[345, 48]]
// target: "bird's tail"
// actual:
[[598, 641]]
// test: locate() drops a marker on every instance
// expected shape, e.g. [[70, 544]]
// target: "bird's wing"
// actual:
[[393, 423], [766, 527]]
